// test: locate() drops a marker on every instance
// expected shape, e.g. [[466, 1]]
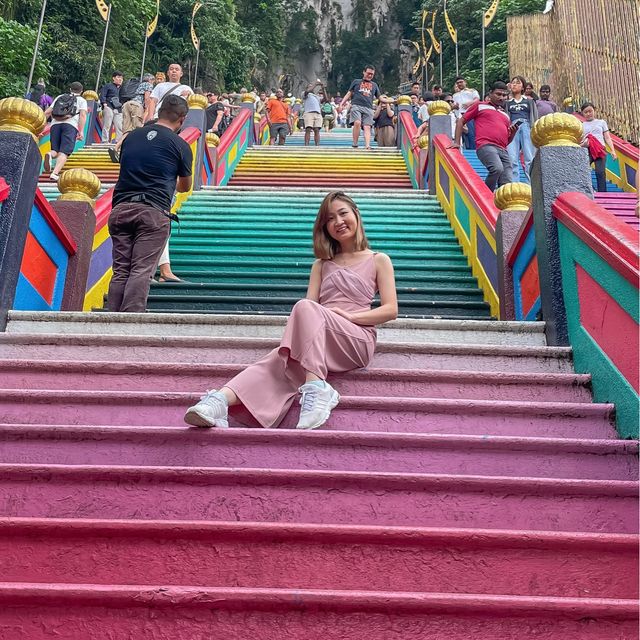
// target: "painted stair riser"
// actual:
[[393, 383], [202, 350], [337, 182], [197, 229], [166, 614], [262, 556], [139, 446], [318, 497], [352, 414]]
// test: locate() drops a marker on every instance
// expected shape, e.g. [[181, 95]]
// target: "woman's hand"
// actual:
[[345, 314]]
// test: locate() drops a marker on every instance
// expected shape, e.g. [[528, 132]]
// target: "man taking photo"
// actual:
[[155, 162]]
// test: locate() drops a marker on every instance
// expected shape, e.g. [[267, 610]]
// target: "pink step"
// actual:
[[144, 376], [344, 451], [296, 556], [32, 611], [424, 415], [323, 497], [188, 349]]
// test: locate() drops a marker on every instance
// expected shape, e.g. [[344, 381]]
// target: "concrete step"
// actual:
[[116, 611], [460, 332], [323, 497], [171, 376], [261, 555], [186, 349], [365, 413], [320, 450]]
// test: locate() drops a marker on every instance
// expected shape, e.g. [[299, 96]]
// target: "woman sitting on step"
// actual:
[[331, 330]]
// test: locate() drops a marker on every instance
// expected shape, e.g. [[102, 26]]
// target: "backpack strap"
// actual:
[[169, 91]]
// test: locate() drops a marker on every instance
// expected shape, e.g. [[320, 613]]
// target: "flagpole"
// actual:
[[144, 51], [35, 51], [483, 59], [195, 73], [441, 63], [104, 44], [457, 65]]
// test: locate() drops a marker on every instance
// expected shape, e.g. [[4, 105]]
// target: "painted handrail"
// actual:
[[263, 133], [233, 144], [469, 206], [43, 273], [410, 151], [190, 135], [600, 270]]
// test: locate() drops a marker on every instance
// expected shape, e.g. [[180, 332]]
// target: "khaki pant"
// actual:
[[139, 233], [386, 136], [111, 118], [132, 113]]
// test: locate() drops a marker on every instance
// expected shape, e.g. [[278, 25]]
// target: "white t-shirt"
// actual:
[[596, 128], [465, 97], [81, 105], [160, 91]]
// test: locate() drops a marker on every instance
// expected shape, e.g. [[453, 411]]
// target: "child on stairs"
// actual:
[[331, 330]]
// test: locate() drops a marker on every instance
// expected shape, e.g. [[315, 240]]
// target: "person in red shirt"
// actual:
[[279, 118], [494, 131]]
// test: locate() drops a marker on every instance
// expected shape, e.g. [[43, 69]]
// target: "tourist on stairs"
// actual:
[[384, 116], [68, 114], [545, 105], [362, 93], [155, 163], [521, 110], [493, 132], [596, 138], [312, 117], [279, 118], [331, 330]]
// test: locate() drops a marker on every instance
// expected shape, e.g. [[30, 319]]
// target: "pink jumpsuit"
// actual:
[[315, 339]]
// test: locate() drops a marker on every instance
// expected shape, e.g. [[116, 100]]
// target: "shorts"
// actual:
[[132, 113], [63, 138], [360, 114], [279, 129], [329, 120], [312, 120]]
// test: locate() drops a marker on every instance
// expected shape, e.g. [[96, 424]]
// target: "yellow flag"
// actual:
[[418, 64], [490, 13], [431, 32], [151, 26], [103, 8], [452, 31], [424, 40], [194, 38]]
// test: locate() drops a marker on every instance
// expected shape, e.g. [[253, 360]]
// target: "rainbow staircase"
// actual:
[[94, 158]]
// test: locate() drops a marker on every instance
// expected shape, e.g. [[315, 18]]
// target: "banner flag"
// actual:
[[452, 31], [103, 8], [490, 13], [151, 26], [418, 64], [194, 38], [431, 32], [424, 40]]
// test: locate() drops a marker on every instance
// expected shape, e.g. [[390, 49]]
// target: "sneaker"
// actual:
[[114, 155], [317, 402], [211, 411], [47, 162]]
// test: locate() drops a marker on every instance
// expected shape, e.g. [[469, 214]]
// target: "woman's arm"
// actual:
[[609, 141], [388, 309], [315, 278]]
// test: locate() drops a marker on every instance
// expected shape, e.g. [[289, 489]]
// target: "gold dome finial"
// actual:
[[197, 101], [423, 142], [557, 130], [439, 108], [403, 100], [79, 185], [24, 116], [515, 196], [247, 97], [213, 140], [90, 95], [567, 102]]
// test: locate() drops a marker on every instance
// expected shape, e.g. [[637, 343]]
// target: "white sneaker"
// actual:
[[211, 411], [317, 403]]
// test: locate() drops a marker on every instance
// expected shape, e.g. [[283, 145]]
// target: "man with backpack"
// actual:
[[111, 107], [134, 95], [68, 117], [172, 87]]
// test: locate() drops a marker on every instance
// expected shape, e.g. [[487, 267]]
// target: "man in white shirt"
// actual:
[[68, 114], [464, 98], [173, 87]]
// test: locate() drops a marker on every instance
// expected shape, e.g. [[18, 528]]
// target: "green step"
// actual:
[[303, 233], [297, 291]]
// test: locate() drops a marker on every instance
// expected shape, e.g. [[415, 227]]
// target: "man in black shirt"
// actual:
[[362, 92], [154, 163], [215, 114]]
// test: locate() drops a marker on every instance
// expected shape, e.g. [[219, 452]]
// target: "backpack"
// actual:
[[327, 109], [65, 106], [128, 90]]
